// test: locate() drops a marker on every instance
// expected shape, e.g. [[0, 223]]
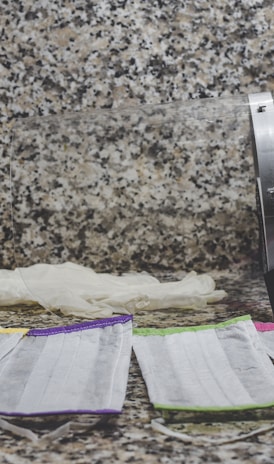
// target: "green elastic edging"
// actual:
[[173, 330], [244, 407]]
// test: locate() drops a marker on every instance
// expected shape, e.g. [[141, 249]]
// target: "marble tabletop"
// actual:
[[129, 437], [195, 196]]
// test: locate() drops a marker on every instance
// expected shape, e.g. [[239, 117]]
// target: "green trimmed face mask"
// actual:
[[217, 367]]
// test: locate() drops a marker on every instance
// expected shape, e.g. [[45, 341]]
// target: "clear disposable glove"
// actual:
[[80, 291]]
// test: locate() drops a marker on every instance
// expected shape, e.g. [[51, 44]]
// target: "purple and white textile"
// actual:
[[81, 368]]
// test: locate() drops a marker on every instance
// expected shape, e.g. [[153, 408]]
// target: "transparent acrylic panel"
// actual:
[[157, 188]]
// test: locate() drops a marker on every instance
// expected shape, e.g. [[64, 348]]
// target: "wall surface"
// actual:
[[60, 57]]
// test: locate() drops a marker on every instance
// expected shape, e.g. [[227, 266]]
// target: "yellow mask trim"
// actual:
[[13, 330]]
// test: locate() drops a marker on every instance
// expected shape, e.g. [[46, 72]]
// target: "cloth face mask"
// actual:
[[82, 368], [266, 334], [218, 367]]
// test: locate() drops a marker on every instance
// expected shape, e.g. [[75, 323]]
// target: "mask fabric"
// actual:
[[211, 367], [9, 338], [266, 334], [81, 368]]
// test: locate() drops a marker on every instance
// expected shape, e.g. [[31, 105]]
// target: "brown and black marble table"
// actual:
[[129, 437]]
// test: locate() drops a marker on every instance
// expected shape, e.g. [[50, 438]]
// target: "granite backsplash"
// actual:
[[102, 174]]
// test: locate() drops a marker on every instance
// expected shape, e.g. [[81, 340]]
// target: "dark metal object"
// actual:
[[262, 115]]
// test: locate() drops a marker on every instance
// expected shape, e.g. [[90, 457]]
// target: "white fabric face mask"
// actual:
[[266, 334], [82, 368], [78, 290], [9, 338], [219, 367]]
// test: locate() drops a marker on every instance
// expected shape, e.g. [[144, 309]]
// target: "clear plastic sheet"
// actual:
[[134, 188]]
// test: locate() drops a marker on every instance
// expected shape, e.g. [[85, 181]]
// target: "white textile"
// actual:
[[266, 334], [80, 368], [219, 367], [81, 291]]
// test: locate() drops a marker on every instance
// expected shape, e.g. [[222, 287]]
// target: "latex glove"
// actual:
[[81, 291]]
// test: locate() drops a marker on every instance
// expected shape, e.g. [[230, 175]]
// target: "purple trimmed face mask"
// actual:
[[81, 368]]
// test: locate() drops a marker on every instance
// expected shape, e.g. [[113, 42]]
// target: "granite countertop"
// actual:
[[129, 437], [188, 204], [62, 58]]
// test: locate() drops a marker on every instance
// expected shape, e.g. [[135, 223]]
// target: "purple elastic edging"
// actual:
[[98, 324], [66, 411], [264, 326]]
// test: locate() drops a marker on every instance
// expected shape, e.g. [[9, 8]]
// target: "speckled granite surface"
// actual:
[[135, 189], [65, 56], [58, 57], [129, 436]]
